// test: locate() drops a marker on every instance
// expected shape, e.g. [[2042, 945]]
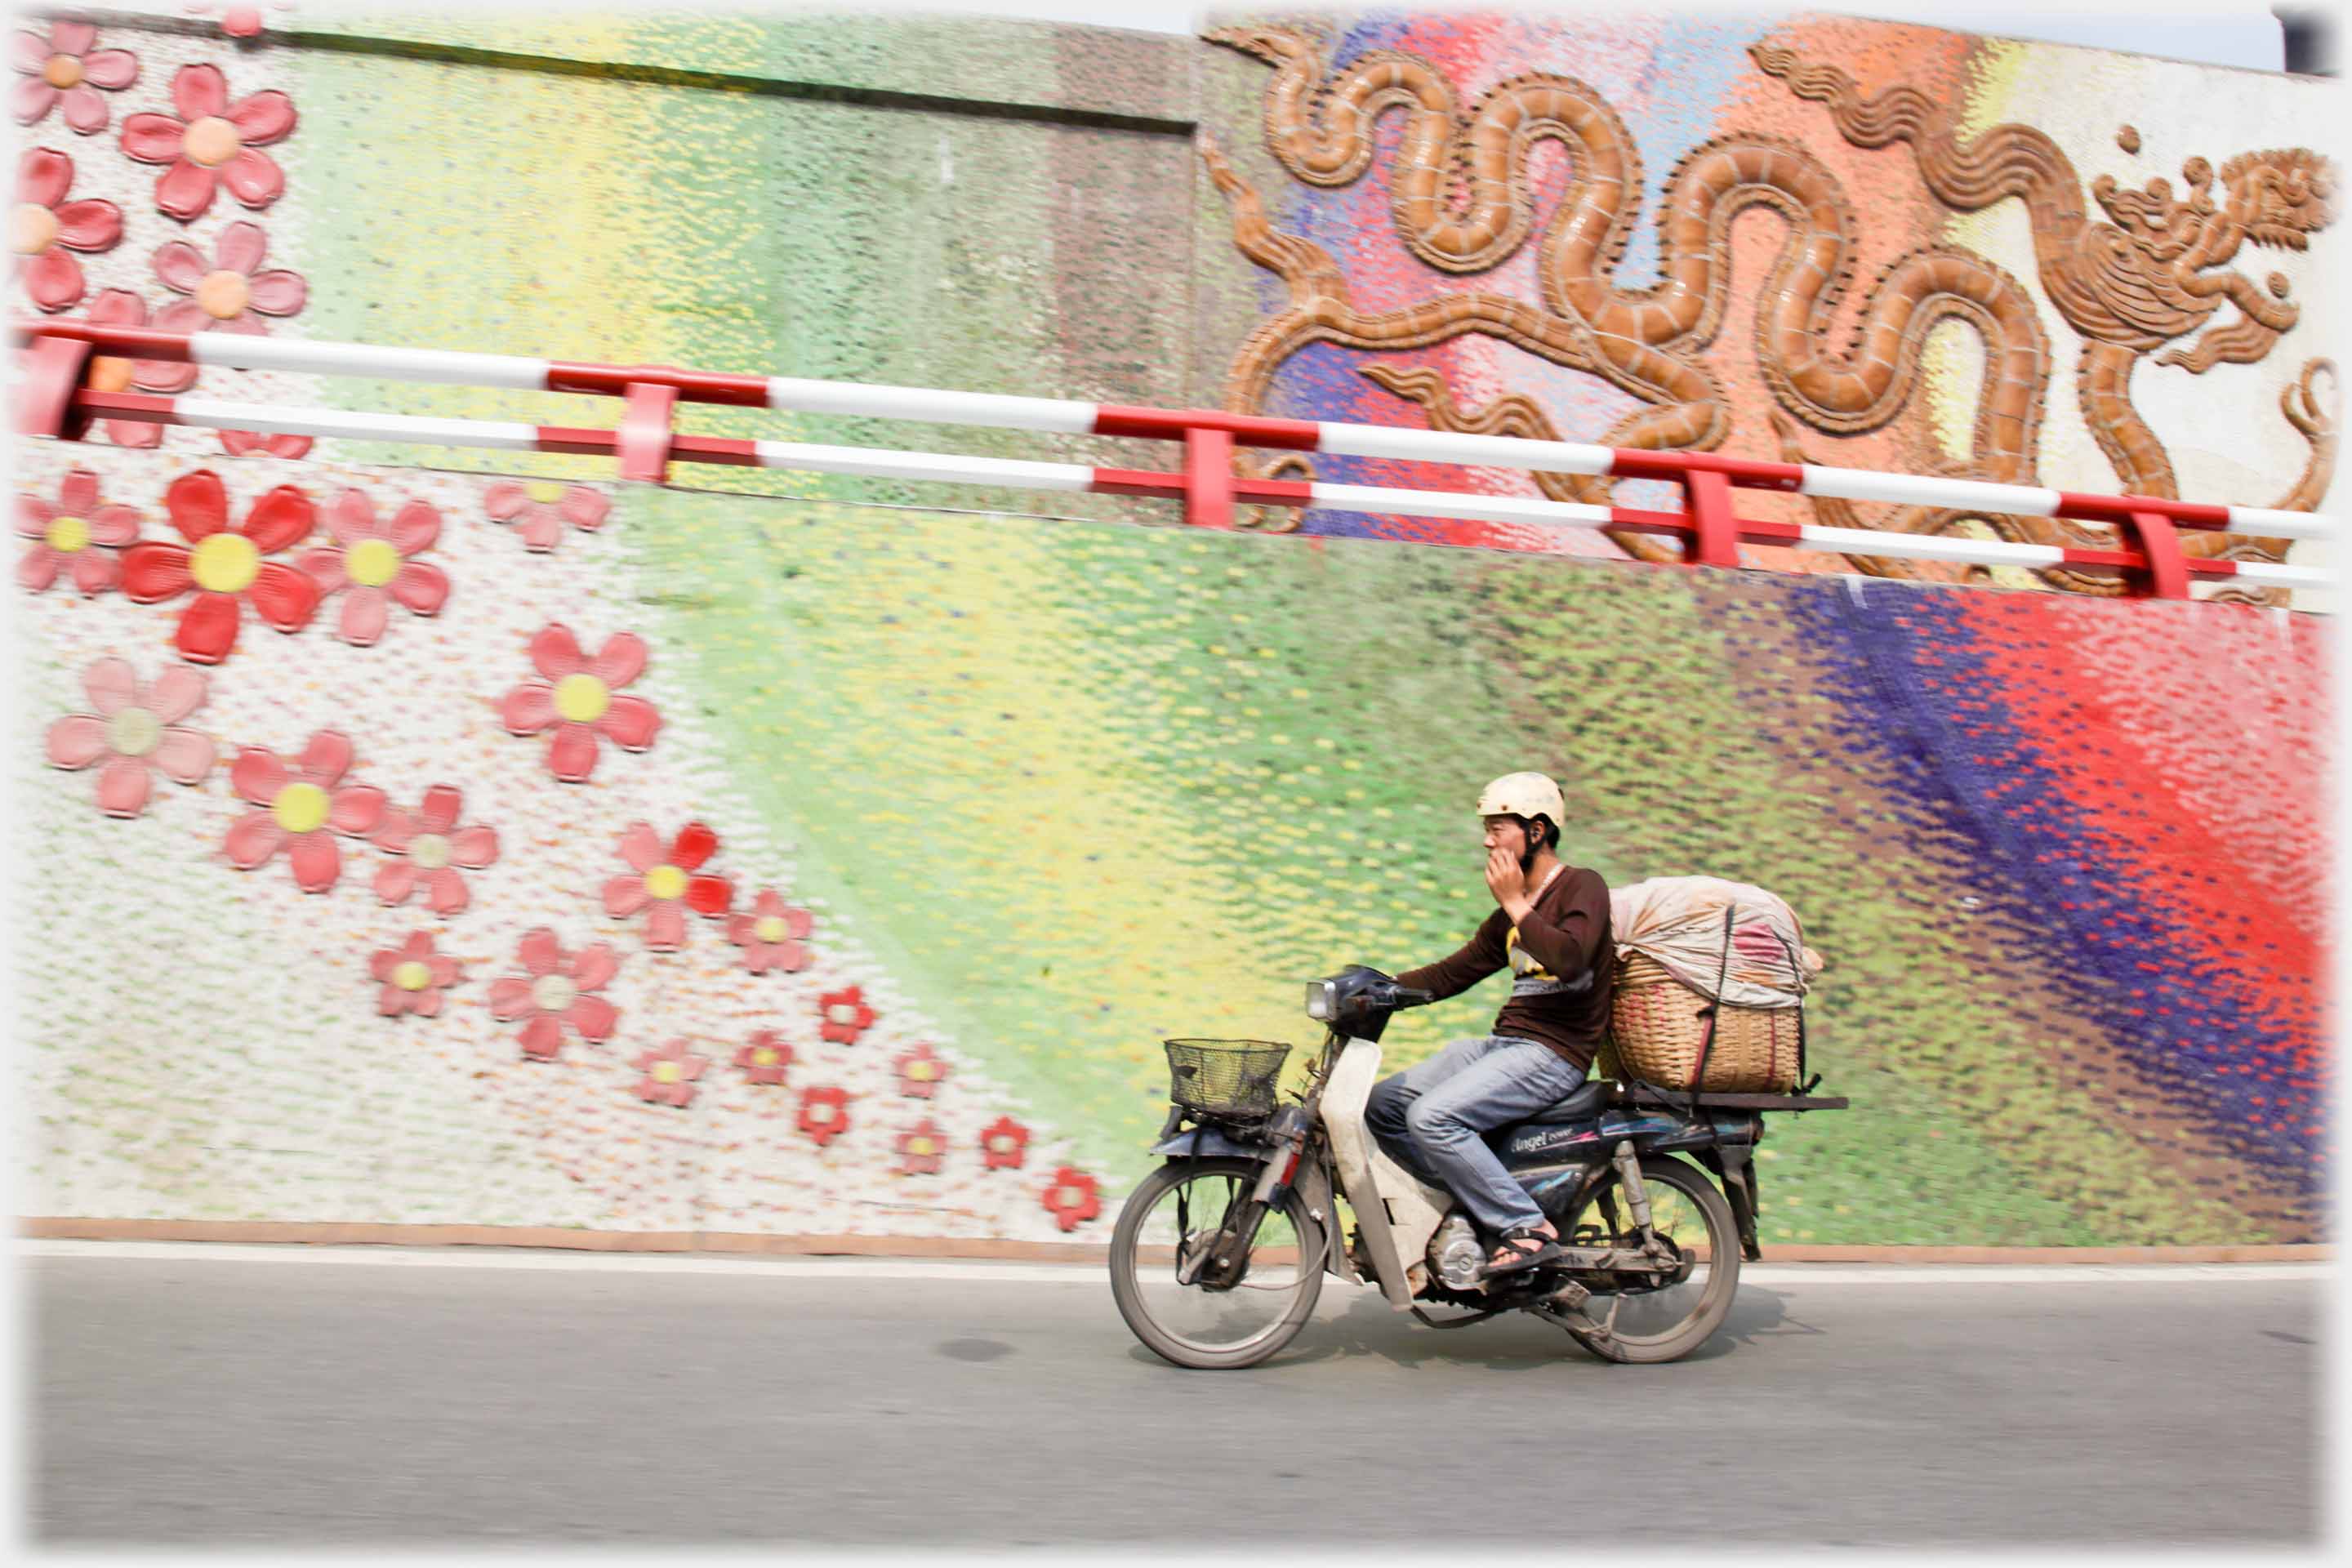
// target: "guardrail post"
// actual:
[[1714, 532], [1208, 478], [644, 438], [52, 371], [2167, 576]]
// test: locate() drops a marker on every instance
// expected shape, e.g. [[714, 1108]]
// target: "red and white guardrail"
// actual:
[[68, 384]]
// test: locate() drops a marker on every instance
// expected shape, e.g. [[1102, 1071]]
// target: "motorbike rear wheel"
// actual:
[[1669, 1322], [1170, 1218]]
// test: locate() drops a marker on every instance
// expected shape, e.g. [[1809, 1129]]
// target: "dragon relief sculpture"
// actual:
[[1461, 203]]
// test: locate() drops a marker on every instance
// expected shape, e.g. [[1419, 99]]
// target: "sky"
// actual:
[[2240, 33]]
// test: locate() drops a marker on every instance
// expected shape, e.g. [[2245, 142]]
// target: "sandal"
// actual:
[[1529, 1248]]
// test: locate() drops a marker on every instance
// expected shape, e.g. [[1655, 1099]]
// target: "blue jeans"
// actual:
[[1432, 1120]]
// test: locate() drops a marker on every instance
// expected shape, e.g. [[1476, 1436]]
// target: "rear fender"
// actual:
[[1208, 1143], [1736, 1171]]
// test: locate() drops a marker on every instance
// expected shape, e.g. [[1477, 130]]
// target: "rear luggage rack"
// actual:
[[1647, 1095]]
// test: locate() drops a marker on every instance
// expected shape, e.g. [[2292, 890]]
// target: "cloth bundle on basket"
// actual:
[[1707, 966]]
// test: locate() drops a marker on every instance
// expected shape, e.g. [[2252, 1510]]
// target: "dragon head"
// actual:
[[2282, 197]]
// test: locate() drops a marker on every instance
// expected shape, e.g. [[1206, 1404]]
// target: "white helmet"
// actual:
[[1524, 794]]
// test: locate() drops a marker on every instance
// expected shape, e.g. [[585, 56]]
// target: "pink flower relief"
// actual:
[[412, 977], [78, 534], [577, 700], [541, 509], [845, 1015], [301, 810], [766, 1058], [920, 1072], [46, 226], [554, 990], [223, 566], [920, 1149], [825, 1113], [245, 443], [669, 1074], [110, 372], [664, 880], [211, 142], [770, 935], [63, 68], [135, 726], [1004, 1144], [370, 564], [427, 845], [233, 294], [1074, 1196]]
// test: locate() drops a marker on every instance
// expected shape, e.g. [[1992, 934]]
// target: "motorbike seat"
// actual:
[[1581, 1106]]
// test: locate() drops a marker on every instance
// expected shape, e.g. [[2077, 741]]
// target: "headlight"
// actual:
[[1322, 1000]]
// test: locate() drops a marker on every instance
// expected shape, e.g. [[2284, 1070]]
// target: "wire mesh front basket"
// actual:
[[1230, 1081]]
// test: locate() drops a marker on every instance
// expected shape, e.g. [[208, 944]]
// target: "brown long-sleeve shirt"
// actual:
[[1562, 963]]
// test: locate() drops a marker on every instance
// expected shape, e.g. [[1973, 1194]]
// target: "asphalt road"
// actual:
[[198, 1397]]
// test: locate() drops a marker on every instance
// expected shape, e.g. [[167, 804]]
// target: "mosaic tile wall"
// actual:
[[771, 855]]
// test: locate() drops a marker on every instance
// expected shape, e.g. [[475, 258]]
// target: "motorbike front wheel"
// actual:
[[1169, 1223]]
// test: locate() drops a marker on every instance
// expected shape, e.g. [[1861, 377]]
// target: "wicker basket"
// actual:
[[1657, 1027]]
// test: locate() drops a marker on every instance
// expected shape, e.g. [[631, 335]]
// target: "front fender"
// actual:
[[1208, 1143]]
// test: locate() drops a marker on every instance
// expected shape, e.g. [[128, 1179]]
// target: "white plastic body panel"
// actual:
[[1395, 1212]]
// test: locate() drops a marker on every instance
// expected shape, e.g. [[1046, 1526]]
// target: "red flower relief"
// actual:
[[920, 1148], [63, 68], [670, 1072], [428, 845], [577, 700], [920, 1072], [1004, 1144], [301, 810], [846, 1016], [78, 534], [554, 990], [412, 977], [824, 1114], [225, 566], [1073, 1196], [211, 142], [770, 935], [369, 565], [541, 509], [663, 880], [765, 1060], [134, 726], [47, 227]]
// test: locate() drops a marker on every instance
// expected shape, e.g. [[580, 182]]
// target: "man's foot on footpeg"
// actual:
[[1522, 1248]]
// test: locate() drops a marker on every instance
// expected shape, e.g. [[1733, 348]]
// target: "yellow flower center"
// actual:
[[300, 808], [371, 562], [546, 492], [921, 1146], [581, 699], [224, 562], [820, 1113], [666, 1073], [769, 928], [223, 295], [412, 977], [133, 732], [33, 229], [69, 534], [764, 1056], [554, 992], [61, 71], [210, 141], [665, 881], [1004, 1143], [922, 1071], [841, 1013], [429, 850], [109, 373], [1068, 1198]]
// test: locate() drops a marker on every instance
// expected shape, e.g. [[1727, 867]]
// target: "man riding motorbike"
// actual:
[[1550, 927]]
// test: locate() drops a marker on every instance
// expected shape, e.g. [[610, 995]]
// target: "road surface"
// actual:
[[291, 1397]]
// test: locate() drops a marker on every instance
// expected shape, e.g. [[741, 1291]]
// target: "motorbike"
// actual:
[[1219, 1256]]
